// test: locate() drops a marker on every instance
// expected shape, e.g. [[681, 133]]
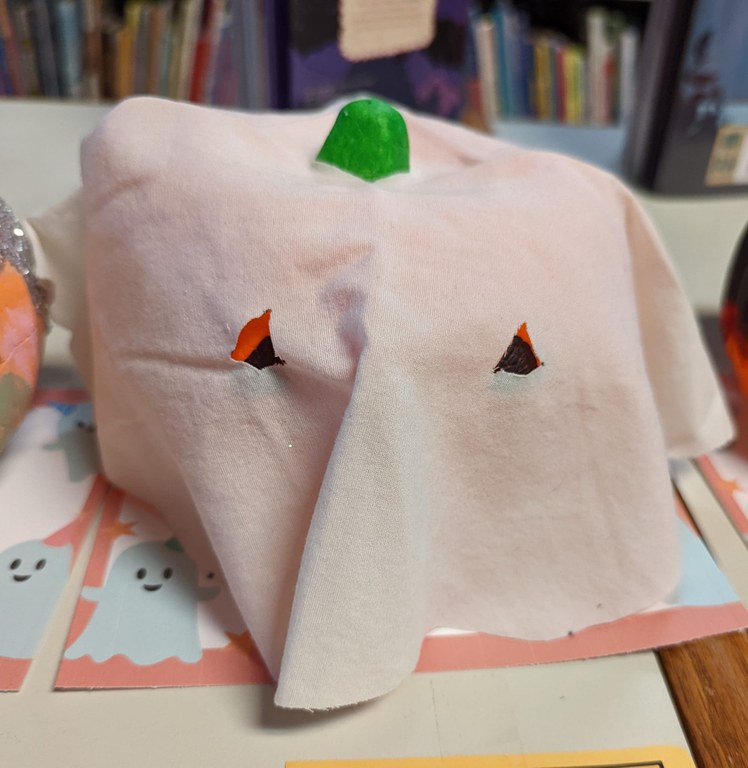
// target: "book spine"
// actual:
[[205, 50], [186, 61], [126, 50], [92, 48], [226, 83], [567, 74], [528, 74], [5, 86], [542, 79], [166, 49], [503, 61], [485, 40], [44, 50], [153, 49], [511, 27], [628, 52], [275, 48], [22, 26], [69, 55], [596, 47], [12, 52], [559, 89], [141, 43]]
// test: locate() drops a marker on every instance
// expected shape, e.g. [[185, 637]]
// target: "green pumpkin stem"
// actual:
[[369, 140]]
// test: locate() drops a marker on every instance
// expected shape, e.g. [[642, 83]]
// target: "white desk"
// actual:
[[607, 703]]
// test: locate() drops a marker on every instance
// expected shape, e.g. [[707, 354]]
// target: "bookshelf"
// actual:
[[110, 49], [566, 61], [571, 62]]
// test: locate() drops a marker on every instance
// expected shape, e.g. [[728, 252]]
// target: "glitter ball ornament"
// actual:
[[23, 323]]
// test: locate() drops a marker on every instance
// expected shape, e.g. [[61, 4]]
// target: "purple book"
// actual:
[[431, 79]]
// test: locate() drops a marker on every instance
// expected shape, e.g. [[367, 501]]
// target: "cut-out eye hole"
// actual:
[[16, 564], [254, 345], [40, 564], [141, 573], [520, 357]]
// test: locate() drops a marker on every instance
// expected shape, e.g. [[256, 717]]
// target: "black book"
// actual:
[[689, 131]]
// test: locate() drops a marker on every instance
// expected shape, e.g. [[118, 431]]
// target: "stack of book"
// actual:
[[542, 75], [183, 49]]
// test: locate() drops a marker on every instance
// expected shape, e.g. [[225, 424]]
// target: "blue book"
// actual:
[[5, 87], [525, 65], [528, 75], [515, 72], [68, 51], [502, 56]]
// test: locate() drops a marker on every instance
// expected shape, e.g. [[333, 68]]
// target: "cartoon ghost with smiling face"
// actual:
[[32, 575], [147, 609], [75, 438]]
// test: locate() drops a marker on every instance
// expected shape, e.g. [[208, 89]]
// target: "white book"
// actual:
[[628, 51], [485, 43], [597, 54], [190, 29]]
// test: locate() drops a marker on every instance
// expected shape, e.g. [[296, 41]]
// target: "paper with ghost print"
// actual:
[[196, 637], [702, 604], [152, 615], [50, 490]]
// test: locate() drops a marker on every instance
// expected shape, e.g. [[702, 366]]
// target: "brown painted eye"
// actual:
[[40, 564], [15, 564], [168, 573], [519, 358], [141, 574]]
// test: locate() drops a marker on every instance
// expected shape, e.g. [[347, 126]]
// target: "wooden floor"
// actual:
[[709, 683]]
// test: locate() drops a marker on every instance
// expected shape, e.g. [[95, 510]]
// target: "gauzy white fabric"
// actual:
[[386, 481]]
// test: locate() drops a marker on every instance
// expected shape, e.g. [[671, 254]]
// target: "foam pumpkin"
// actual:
[[734, 314], [402, 375], [22, 323]]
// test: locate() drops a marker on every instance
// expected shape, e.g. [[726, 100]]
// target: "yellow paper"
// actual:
[[645, 757]]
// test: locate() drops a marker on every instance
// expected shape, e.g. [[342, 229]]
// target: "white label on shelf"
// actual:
[[740, 175], [728, 163]]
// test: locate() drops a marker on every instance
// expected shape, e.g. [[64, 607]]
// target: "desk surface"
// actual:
[[606, 703]]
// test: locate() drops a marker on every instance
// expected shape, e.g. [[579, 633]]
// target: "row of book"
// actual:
[[542, 75], [91, 49], [261, 54]]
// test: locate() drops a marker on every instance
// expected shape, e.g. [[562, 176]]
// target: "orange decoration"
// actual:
[[525, 336], [251, 335], [254, 345], [21, 329]]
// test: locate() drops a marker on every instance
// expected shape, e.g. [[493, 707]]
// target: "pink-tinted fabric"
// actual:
[[385, 481]]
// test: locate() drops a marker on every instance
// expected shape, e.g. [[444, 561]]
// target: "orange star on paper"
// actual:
[[732, 486], [241, 642], [118, 528]]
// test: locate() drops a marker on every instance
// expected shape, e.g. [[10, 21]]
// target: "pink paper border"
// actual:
[[719, 486]]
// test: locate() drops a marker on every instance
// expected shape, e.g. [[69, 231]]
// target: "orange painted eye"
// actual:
[[254, 345], [520, 357]]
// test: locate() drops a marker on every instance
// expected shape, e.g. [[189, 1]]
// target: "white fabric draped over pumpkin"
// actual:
[[385, 481]]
